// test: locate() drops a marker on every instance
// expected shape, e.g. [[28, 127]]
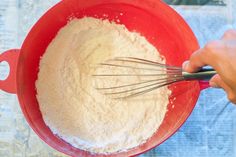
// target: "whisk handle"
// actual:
[[206, 73]]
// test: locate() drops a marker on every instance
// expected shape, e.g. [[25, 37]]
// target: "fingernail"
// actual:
[[213, 84], [185, 65]]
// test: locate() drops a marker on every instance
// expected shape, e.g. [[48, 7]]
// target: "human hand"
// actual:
[[221, 55]]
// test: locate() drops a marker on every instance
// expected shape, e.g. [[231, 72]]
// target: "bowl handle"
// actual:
[[11, 57], [204, 84]]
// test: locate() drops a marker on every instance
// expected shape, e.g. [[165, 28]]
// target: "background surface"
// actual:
[[209, 132]]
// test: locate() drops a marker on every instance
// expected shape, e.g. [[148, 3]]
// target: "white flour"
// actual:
[[78, 113]]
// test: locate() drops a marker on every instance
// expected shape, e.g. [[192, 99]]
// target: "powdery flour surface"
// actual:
[[78, 113]]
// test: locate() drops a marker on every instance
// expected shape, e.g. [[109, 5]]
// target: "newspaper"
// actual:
[[209, 132], [197, 2], [17, 139]]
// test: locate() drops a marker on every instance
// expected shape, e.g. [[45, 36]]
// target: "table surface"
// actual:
[[210, 131]]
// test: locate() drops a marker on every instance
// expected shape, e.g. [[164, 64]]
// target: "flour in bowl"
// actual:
[[78, 113]]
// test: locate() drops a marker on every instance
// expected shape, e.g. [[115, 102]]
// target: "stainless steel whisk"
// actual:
[[156, 76]]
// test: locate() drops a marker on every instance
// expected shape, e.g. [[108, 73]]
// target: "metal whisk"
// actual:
[[151, 75]]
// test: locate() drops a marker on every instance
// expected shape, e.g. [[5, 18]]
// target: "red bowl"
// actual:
[[155, 20]]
